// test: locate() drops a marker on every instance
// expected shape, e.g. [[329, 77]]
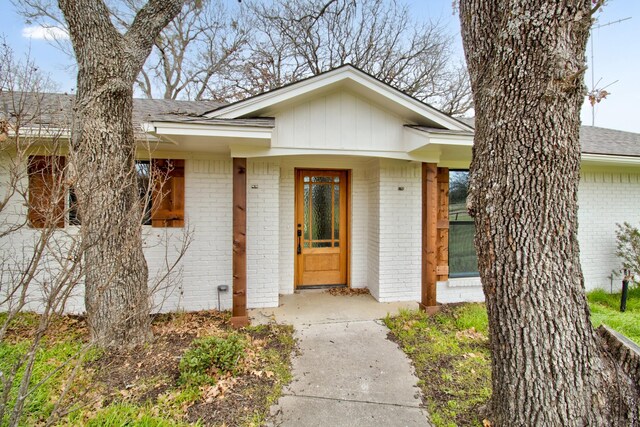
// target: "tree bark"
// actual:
[[526, 60], [103, 153]]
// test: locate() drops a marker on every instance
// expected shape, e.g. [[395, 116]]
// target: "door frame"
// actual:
[[296, 200]]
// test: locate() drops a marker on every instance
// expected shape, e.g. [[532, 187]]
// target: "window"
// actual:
[[74, 215], [160, 187], [463, 261], [167, 207], [143, 173], [46, 191]]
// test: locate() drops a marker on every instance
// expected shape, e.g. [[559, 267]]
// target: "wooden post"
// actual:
[[239, 317], [429, 235], [442, 243]]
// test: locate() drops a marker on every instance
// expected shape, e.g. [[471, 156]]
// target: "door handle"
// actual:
[[299, 236]]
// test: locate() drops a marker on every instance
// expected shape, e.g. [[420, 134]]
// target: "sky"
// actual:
[[615, 62]]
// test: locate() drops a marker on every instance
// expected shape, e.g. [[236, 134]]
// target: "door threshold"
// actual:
[[310, 287]]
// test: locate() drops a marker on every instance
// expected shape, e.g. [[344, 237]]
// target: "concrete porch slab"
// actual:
[[318, 306]]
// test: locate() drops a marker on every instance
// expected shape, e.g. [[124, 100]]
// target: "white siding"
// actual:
[[340, 120]]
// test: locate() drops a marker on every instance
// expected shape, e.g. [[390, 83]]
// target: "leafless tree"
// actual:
[[294, 39], [200, 45], [42, 254], [210, 51], [103, 142]]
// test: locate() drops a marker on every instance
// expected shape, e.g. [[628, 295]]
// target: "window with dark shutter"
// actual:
[[168, 193], [46, 191]]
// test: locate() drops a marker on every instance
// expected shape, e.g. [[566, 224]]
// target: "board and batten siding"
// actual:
[[338, 121]]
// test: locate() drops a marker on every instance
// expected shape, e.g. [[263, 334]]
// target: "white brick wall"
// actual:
[[287, 230], [385, 234], [207, 262], [467, 289], [400, 231], [604, 198], [359, 227], [373, 230], [263, 207]]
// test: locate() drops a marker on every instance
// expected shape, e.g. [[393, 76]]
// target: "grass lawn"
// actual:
[[197, 371], [450, 351], [605, 308]]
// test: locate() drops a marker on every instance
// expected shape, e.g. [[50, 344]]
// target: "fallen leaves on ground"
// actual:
[[348, 291], [471, 334]]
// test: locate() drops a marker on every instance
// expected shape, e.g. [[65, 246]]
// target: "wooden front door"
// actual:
[[321, 235]]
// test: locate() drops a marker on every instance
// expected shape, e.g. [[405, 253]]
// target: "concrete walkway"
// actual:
[[347, 373]]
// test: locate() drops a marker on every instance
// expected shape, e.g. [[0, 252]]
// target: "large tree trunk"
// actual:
[[526, 60], [103, 153]]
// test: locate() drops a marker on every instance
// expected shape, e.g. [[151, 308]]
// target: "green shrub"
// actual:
[[628, 247], [206, 354]]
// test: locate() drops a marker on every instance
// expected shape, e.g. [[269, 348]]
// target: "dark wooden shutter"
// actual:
[[46, 191], [168, 193], [442, 238]]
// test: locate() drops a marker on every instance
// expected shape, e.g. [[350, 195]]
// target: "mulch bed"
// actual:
[[141, 375], [144, 374]]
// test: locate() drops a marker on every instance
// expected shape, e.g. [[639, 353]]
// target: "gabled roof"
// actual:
[[346, 75]]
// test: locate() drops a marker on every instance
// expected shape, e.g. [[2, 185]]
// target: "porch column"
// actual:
[[239, 314], [435, 232], [429, 231]]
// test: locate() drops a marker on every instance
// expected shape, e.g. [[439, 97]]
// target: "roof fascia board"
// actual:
[[267, 99], [249, 151], [420, 139], [163, 128], [610, 159]]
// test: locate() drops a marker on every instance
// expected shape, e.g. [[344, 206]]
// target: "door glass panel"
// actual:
[[336, 213], [306, 211], [336, 179], [321, 179], [321, 212], [321, 244]]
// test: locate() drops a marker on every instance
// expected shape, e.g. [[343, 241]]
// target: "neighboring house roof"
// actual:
[[597, 140], [54, 109]]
